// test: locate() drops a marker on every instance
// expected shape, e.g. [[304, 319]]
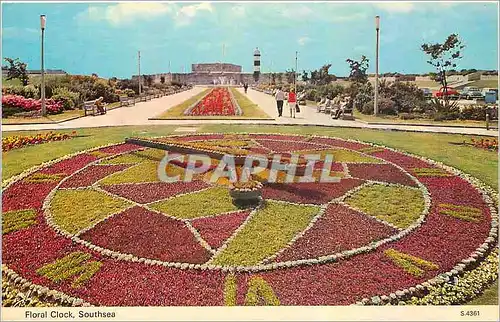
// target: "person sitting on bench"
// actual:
[[100, 105], [320, 104], [340, 108]]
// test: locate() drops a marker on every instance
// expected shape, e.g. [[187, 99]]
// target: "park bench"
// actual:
[[89, 106], [126, 101]]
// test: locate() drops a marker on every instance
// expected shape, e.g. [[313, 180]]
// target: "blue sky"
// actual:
[[103, 38]]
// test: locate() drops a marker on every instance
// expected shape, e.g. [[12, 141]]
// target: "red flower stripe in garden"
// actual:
[[26, 195], [294, 138], [216, 102], [147, 234], [341, 143], [288, 146], [215, 230], [70, 165], [311, 193], [149, 192], [120, 148], [203, 137], [406, 162], [453, 190], [380, 172], [339, 229], [91, 175]]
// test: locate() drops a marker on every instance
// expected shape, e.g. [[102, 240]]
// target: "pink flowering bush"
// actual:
[[12, 104]]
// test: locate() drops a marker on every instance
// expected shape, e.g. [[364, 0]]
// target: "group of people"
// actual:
[[338, 105], [291, 98]]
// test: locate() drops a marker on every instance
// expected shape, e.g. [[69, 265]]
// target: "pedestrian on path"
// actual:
[[292, 102], [245, 86], [280, 96]]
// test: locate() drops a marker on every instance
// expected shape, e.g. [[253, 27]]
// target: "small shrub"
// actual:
[[68, 98], [474, 112], [30, 91], [385, 106], [408, 116]]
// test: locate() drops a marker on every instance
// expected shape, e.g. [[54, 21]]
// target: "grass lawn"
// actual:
[[65, 116], [249, 109], [394, 119], [485, 83], [447, 148]]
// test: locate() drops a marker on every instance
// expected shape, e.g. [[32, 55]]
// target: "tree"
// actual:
[[17, 69], [279, 77], [273, 78], [444, 56], [290, 76], [149, 80], [358, 70], [162, 79], [305, 76]]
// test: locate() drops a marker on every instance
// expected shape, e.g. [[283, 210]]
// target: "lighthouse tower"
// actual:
[[256, 64]]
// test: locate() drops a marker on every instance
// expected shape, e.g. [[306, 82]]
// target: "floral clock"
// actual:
[[99, 228]]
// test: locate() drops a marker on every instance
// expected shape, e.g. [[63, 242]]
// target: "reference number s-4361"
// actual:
[[469, 313]]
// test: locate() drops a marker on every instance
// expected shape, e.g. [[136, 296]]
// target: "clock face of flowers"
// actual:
[[102, 227]]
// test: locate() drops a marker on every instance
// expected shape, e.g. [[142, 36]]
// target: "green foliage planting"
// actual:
[[269, 230], [399, 206], [431, 172], [199, 204], [461, 212], [43, 177], [259, 289], [18, 219], [411, 264], [71, 266], [74, 210]]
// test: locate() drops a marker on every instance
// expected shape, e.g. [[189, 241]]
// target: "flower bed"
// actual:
[[12, 104], [395, 229], [19, 141], [218, 102]]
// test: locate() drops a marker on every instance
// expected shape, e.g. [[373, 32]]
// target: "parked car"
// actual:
[[427, 92], [471, 93], [448, 92]]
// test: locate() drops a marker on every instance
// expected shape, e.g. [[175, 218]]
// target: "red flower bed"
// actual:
[[380, 172], [71, 165], [339, 229], [91, 175], [216, 102], [149, 192], [30, 104], [311, 192], [26, 195], [215, 230], [289, 146], [147, 234]]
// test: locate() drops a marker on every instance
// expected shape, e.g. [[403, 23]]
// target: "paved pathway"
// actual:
[[141, 112]]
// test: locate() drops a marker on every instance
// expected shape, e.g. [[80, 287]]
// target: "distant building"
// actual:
[[39, 72], [210, 74]]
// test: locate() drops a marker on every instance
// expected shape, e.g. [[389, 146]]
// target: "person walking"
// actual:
[[245, 86], [280, 96], [292, 102]]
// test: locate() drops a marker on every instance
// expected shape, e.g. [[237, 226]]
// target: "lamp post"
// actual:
[[295, 74], [42, 26], [139, 66], [377, 28]]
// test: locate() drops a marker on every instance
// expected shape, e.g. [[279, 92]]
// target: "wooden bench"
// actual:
[[126, 101], [90, 106], [347, 115]]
